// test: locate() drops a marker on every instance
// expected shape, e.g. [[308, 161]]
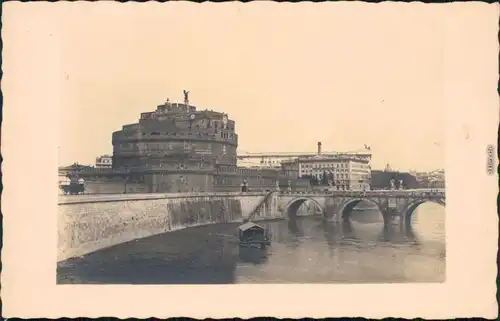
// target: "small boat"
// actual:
[[253, 235]]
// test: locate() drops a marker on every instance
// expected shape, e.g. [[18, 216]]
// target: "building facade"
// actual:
[[347, 172], [104, 161], [291, 168], [431, 179]]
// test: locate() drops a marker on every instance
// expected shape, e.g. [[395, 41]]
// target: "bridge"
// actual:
[[394, 205], [87, 223]]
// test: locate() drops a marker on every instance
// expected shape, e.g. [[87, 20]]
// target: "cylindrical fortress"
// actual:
[[176, 148]]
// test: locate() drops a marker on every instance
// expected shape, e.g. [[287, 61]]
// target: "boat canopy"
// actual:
[[249, 225]]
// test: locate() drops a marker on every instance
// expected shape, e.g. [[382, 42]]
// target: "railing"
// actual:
[[382, 193], [97, 170]]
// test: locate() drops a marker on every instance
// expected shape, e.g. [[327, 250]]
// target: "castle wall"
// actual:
[[179, 182], [103, 187]]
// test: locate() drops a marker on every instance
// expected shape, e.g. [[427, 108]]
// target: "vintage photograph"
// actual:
[[247, 147]]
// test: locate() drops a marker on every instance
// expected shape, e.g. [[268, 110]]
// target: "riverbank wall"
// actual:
[[89, 224]]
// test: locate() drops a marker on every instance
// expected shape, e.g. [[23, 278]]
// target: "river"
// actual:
[[305, 250]]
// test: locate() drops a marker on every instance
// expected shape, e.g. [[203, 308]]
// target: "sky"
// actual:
[[290, 76]]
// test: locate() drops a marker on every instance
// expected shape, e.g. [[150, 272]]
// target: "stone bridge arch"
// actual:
[[291, 208], [412, 206], [348, 205]]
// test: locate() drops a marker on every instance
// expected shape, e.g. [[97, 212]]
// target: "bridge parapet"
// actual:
[[89, 198], [373, 193]]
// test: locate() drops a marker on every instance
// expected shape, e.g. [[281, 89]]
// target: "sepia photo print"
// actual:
[[204, 157]]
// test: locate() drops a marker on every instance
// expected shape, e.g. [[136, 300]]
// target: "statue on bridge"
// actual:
[[244, 186]]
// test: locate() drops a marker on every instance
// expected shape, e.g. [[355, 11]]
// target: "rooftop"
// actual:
[[339, 156]]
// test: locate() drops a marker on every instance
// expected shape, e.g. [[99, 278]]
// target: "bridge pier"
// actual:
[[394, 220]]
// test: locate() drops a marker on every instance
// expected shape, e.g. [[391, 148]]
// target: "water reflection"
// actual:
[[253, 255], [347, 230], [399, 234], [294, 227], [295, 232], [200, 255]]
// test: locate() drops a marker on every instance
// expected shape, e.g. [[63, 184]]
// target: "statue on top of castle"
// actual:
[[186, 96]]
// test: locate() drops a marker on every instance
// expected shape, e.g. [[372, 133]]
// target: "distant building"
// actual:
[[64, 171], [104, 161], [349, 172], [345, 171], [291, 168], [431, 179]]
